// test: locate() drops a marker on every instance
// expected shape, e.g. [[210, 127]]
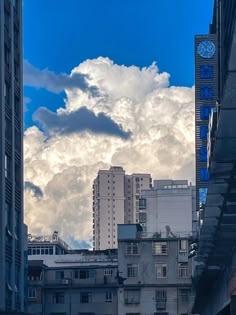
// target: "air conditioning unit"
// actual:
[[64, 281]]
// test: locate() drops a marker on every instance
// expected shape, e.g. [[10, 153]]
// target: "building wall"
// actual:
[[108, 207], [115, 201], [169, 203], [11, 158], [134, 184], [148, 282], [70, 285]]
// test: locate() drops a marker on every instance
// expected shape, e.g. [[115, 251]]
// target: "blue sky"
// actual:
[[59, 35], [114, 115]]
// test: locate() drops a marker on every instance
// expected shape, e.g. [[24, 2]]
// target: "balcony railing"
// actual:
[[68, 283]]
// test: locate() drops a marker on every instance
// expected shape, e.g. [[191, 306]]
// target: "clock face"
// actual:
[[206, 49]]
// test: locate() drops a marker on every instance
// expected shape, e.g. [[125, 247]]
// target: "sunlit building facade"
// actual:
[[115, 201]]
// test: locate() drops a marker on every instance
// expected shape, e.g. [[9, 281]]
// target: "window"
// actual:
[[159, 248], [8, 218], [7, 55], [59, 298], [7, 166], [32, 293], [132, 248], [86, 274], [16, 71], [183, 270], [132, 270], [184, 296], [108, 273], [142, 217], [85, 297], [108, 297], [206, 72], [161, 270], [7, 92], [8, 131], [161, 298], [183, 246], [132, 296], [59, 275]]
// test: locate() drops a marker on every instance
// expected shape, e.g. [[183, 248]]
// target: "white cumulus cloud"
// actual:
[[158, 117]]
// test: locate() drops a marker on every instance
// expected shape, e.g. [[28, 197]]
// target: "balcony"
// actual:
[[79, 283]]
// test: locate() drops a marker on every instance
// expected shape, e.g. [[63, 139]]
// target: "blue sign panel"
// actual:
[[206, 92], [203, 132], [205, 111], [206, 72], [204, 174], [203, 154]]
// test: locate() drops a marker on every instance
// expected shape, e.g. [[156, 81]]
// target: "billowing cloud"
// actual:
[[78, 121], [56, 82], [160, 118]]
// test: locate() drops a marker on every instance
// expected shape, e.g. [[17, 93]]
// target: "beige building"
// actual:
[[115, 201]]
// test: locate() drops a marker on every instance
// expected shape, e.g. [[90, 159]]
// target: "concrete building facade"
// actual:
[[169, 207], [11, 158], [156, 273], [115, 201], [66, 282]]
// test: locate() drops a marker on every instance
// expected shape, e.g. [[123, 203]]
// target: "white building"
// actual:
[[168, 208], [115, 201]]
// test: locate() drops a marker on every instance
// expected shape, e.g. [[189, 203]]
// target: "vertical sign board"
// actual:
[[206, 95]]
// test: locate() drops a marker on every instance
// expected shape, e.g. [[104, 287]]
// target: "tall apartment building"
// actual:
[[11, 158], [169, 208], [115, 201]]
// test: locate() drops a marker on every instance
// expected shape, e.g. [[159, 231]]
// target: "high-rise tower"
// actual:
[[115, 201], [11, 158]]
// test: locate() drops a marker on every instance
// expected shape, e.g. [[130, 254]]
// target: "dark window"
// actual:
[[59, 275], [7, 56], [85, 297], [86, 274], [59, 298], [142, 203], [8, 129]]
